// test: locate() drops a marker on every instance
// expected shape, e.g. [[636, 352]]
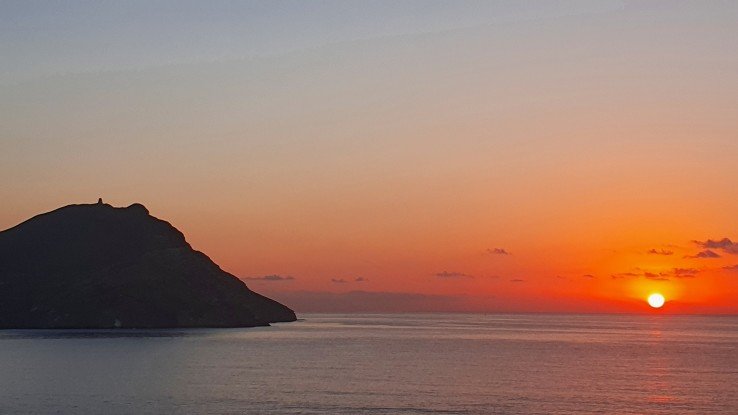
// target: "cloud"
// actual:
[[273, 277], [654, 276], [725, 245], [704, 254], [452, 275], [660, 276], [346, 281], [517, 280], [497, 251], [660, 252], [623, 275], [590, 276], [733, 268], [684, 272]]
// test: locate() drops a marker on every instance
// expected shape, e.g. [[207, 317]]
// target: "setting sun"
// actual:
[[656, 300]]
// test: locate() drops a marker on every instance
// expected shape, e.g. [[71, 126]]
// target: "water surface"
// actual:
[[382, 364]]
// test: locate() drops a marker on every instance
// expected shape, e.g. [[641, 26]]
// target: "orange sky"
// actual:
[[401, 152]]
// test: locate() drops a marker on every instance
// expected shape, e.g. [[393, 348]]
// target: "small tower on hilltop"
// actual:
[[99, 201]]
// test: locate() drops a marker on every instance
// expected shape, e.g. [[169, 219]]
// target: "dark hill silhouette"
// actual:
[[97, 266]]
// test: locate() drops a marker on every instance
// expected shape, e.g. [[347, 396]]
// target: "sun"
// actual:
[[656, 300]]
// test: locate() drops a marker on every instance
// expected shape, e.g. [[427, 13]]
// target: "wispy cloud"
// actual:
[[725, 245], [497, 251], [347, 281], [623, 275], [660, 252], [273, 277], [733, 268], [452, 275], [659, 276], [517, 280], [707, 253], [589, 276], [684, 272], [655, 277]]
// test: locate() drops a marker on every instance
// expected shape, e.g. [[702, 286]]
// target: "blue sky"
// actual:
[[41, 38]]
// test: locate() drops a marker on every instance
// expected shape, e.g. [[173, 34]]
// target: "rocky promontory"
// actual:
[[98, 266]]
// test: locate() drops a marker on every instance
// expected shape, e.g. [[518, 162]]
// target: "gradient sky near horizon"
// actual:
[[396, 156]]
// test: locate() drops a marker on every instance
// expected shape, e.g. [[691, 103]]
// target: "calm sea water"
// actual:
[[383, 364]]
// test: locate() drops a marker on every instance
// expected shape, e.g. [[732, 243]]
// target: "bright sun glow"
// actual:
[[656, 300]]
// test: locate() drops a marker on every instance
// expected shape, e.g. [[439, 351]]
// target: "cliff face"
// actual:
[[96, 266]]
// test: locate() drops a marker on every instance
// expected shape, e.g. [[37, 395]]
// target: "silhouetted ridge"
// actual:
[[97, 266]]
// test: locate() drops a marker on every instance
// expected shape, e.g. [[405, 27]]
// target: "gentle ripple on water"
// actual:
[[382, 364]]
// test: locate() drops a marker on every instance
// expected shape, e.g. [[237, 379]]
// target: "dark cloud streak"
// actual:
[[684, 272], [273, 277], [661, 276], [660, 252], [725, 245], [704, 254], [452, 275]]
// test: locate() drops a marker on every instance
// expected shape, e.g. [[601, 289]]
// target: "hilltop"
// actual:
[[99, 266]]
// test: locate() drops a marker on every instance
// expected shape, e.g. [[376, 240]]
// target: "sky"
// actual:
[[471, 156]]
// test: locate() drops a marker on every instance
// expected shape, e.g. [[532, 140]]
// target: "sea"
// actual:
[[382, 364]]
